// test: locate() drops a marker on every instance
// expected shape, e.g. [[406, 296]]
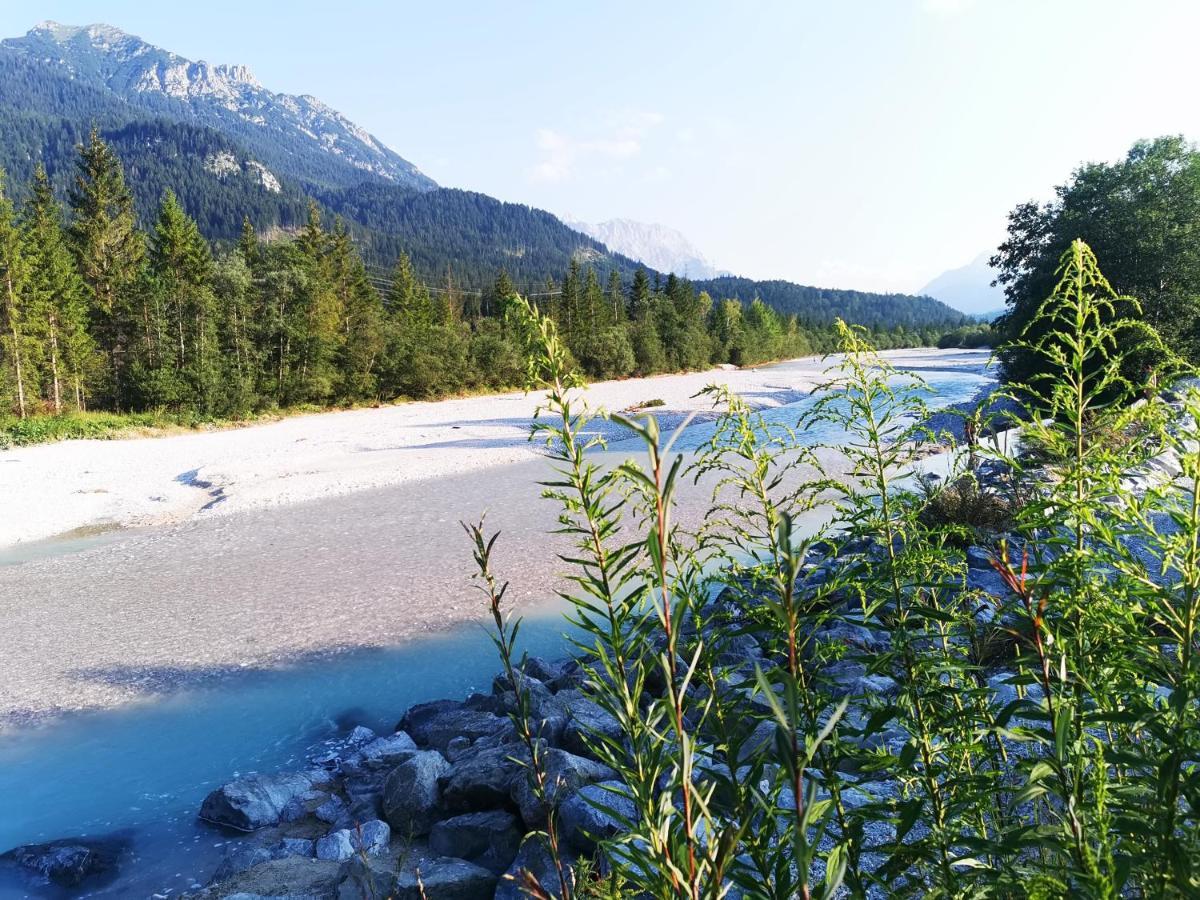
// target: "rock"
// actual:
[[488, 839], [68, 862], [847, 678], [585, 718], [332, 811], [288, 878], [852, 635], [359, 736], [582, 822], [446, 879], [435, 726], [978, 558], [257, 801], [244, 856], [392, 749], [535, 858], [411, 797], [482, 778], [336, 845], [366, 879], [297, 847], [565, 772], [372, 837]]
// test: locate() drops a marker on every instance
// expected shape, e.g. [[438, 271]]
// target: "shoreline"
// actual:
[[52, 490]]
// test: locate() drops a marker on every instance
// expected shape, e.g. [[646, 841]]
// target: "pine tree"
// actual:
[[57, 297], [109, 250], [362, 318], [640, 298], [181, 264], [13, 305]]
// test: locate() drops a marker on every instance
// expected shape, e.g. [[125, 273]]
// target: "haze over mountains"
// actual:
[[231, 148], [659, 247], [969, 288]]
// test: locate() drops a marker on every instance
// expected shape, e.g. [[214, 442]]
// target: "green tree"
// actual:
[[14, 307], [109, 250], [1141, 216], [57, 298]]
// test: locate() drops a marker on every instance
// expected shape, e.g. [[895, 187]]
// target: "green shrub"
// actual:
[[773, 772]]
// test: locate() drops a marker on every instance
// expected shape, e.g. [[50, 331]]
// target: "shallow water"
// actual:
[[144, 768]]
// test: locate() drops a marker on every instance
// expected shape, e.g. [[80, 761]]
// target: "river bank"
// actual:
[[57, 489]]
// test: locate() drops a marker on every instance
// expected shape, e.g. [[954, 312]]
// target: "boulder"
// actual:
[[482, 778], [534, 857], [565, 772], [68, 862], [488, 839], [257, 801], [583, 822], [242, 857], [392, 749], [436, 726], [370, 838], [411, 796], [288, 878], [585, 718], [446, 879]]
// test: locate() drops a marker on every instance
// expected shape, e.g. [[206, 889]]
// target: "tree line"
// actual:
[[100, 314]]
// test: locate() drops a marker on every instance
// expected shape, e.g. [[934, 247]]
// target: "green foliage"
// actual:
[[1038, 740], [1140, 216], [99, 314]]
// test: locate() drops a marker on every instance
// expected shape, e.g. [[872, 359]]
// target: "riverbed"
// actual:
[[142, 667]]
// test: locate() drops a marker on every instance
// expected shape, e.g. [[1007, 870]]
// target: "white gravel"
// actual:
[[56, 489]]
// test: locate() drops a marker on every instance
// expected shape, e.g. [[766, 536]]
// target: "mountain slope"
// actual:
[[968, 287], [297, 136], [230, 148], [657, 246]]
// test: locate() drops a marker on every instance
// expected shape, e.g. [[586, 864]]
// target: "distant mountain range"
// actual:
[[969, 288], [231, 148], [657, 246]]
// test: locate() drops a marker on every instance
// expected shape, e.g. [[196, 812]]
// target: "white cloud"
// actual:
[[561, 155]]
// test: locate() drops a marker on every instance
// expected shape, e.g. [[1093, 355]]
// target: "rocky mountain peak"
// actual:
[[287, 128]]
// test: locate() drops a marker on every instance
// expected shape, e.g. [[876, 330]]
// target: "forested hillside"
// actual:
[[99, 314], [247, 157]]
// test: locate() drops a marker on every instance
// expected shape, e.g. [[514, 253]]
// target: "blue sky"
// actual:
[[849, 144]]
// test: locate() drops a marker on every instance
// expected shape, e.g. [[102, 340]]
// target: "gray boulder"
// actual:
[[446, 879], [488, 839], [370, 838], [435, 725], [534, 857], [244, 856], [482, 778], [411, 797], [582, 820], [257, 801], [565, 773], [585, 718], [392, 749], [69, 862]]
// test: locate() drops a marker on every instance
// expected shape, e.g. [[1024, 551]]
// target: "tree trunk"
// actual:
[[16, 348], [54, 365]]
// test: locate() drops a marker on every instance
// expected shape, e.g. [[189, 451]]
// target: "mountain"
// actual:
[[297, 136], [969, 288], [657, 246], [230, 148]]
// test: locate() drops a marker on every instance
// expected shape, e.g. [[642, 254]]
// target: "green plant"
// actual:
[[799, 705]]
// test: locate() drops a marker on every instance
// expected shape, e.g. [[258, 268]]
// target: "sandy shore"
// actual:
[[298, 559], [55, 489]]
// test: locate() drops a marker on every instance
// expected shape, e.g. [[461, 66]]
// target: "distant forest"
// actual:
[[99, 313]]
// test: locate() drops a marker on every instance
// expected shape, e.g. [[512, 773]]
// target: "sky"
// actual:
[[867, 144]]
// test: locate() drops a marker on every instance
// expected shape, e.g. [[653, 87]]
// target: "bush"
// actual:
[[825, 722]]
